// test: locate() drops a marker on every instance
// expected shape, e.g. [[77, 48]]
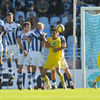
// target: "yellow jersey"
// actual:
[[56, 43]]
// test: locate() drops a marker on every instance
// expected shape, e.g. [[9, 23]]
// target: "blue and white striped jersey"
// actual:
[[1, 25], [11, 32], [35, 44], [62, 38], [24, 42]]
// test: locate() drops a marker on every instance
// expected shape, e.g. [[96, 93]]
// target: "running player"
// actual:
[[1, 51], [11, 29], [36, 57], [23, 56], [54, 57], [64, 65]]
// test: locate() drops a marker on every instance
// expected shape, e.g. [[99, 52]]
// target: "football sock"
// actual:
[[10, 69], [20, 76], [1, 71], [34, 78], [46, 80], [97, 79], [42, 81], [53, 82], [61, 77], [70, 81], [29, 79], [17, 70]]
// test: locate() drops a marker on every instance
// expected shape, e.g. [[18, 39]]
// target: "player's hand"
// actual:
[[42, 43], [44, 35], [25, 53], [55, 50]]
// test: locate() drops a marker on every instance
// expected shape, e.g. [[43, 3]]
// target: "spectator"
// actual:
[[7, 9], [68, 28], [20, 20], [3, 3], [33, 20], [78, 7], [65, 8], [91, 2], [42, 8], [19, 5], [30, 5], [54, 9], [1, 16]]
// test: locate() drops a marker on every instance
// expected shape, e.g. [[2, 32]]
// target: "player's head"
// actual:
[[54, 32], [26, 26], [1, 25], [10, 17], [40, 26]]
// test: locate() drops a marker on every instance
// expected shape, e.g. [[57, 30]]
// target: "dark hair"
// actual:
[[54, 28], [25, 23], [7, 3], [20, 16], [10, 14]]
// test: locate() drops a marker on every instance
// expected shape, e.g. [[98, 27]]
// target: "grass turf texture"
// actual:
[[59, 94]]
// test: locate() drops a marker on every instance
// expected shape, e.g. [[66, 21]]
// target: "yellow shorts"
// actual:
[[63, 65], [49, 64]]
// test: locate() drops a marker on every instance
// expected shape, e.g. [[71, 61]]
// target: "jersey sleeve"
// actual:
[[63, 40], [19, 34]]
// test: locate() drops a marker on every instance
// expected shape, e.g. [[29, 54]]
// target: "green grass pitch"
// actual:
[[59, 94]]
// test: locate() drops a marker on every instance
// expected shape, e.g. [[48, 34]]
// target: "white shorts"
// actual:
[[36, 58], [64, 64], [12, 50], [23, 60], [1, 49]]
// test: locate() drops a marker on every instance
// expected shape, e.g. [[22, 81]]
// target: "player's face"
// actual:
[[10, 18], [27, 28], [54, 34], [40, 27]]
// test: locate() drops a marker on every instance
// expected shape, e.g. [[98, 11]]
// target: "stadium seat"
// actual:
[[70, 48], [53, 20], [18, 14], [47, 32], [44, 20], [46, 26], [64, 20], [27, 14]]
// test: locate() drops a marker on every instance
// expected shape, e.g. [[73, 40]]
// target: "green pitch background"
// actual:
[[59, 94]]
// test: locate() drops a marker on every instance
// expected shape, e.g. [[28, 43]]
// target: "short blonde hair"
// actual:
[[40, 24]]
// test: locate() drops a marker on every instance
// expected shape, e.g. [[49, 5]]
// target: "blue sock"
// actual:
[[20, 76], [70, 81], [1, 71], [34, 78], [29, 79], [42, 81], [53, 82], [10, 69]]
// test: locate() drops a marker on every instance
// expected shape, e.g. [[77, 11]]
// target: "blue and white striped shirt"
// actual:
[[11, 32], [36, 36], [24, 42]]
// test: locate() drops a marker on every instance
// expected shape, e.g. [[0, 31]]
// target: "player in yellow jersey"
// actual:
[[54, 57]]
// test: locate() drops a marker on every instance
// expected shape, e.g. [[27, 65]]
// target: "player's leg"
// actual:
[[64, 66], [34, 78], [61, 77], [42, 81], [1, 70], [45, 77], [95, 82], [29, 77], [53, 77], [20, 76], [15, 53]]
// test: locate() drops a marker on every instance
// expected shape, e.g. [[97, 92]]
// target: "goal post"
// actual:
[[90, 43]]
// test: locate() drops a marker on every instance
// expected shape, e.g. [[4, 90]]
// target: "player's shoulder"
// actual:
[[17, 24]]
